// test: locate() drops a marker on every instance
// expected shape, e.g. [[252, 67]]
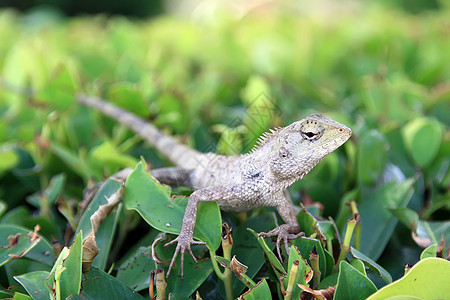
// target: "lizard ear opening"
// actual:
[[284, 153]]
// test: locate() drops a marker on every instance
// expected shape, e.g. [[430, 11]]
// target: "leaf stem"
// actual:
[[215, 265], [357, 233], [292, 276], [314, 259], [227, 244], [347, 239]]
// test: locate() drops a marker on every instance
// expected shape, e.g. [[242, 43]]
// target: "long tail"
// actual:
[[179, 154]]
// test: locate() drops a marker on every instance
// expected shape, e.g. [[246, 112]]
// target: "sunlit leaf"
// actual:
[[425, 280], [422, 138]]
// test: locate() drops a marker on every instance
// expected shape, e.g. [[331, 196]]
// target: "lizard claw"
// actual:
[[283, 236], [183, 245]]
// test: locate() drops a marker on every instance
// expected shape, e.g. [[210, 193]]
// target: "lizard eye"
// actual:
[[309, 134], [311, 130]]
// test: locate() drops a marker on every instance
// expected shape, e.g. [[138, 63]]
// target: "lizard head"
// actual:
[[301, 145]]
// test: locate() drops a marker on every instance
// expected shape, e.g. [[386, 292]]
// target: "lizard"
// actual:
[[238, 183]]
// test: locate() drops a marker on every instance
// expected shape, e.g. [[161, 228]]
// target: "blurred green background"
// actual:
[[142, 9], [217, 74]]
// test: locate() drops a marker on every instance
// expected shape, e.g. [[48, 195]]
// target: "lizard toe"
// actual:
[[177, 250]]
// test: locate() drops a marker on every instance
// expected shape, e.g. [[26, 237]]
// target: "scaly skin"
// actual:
[[239, 183]]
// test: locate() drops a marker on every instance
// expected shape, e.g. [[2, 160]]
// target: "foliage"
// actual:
[[223, 81]]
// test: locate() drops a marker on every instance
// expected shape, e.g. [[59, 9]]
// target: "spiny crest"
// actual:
[[265, 138]]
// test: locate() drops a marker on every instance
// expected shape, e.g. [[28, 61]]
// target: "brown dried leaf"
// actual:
[[326, 294], [310, 275], [420, 241], [104, 210], [237, 267], [34, 235], [440, 249], [90, 251], [13, 240]]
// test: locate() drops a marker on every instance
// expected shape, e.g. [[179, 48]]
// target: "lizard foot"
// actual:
[[283, 234], [183, 245]]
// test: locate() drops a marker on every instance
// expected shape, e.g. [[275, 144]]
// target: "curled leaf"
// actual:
[[104, 210], [319, 294], [90, 251], [237, 267]]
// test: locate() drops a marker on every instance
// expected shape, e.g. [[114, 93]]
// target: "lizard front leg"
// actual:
[[185, 239], [288, 231]]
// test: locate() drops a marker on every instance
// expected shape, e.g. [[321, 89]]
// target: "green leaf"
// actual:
[[260, 108], [105, 234], [230, 142], [194, 273], [358, 265], [352, 284], [59, 91], [135, 271], [330, 280], [306, 245], [108, 155], [8, 158], [428, 279], [23, 245], [20, 267], [378, 223], [20, 296], [23, 65], [22, 216], [372, 265], [432, 232], [328, 229], [127, 96], [171, 112], [68, 265], [77, 164], [247, 248], [100, 285], [259, 291], [274, 262], [407, 216], [152, 201], [51, 193], [34, 284], [307, 222], [3, 208], [80, 127], [372, 157], [303, 271], [422, 137], [5, 295], [430, 251]]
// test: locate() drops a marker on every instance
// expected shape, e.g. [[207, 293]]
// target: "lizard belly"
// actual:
[[247, 202], [237, 205]]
